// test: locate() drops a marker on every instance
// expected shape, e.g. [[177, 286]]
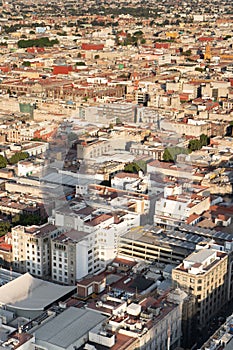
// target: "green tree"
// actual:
[[38, 139], [198, 69], [26, 64], [41, 42], [118, 121], [142, 165], [167, 156], [132, 168], [197, 144], [170, 153], [194, 145], [187, 53], [17, 157], [204, 140], [138, 33], [3, 162], [80, 63], [31, 219], [4, 227]]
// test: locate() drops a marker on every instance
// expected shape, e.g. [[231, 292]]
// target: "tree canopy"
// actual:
[[42, 42], [17, 157], [4, 227], [30, 219], [3, 162], [170, 153], [132, 168], [197, 144]]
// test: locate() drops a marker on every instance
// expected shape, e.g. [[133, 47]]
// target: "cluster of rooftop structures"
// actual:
[[116, 175]]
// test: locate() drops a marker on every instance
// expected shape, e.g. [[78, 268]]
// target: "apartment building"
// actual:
[[204, 274], [26, 168], [178, 170], [91, 240], [154, 322], [31, 249], [76, 254], [92, 148], [131, 182], [111, 112], [192, 127], [19, 134], [131, 202], [153, 151], [173, 209], [73, 256]]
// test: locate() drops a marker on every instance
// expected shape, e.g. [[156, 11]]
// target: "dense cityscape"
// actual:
[[116, 175]]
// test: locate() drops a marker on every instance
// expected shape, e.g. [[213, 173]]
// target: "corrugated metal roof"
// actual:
[[69, 326]]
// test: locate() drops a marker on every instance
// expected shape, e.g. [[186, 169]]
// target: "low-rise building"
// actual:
[[92, 148], [178, 208], [222, 338]]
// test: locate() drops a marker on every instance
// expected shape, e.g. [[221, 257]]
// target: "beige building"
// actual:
[[192, 128], [204, 274], [31, 248], [92, 148]]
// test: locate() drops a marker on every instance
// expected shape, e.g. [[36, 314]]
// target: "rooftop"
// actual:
[[71, 325], [200, 256], [30, 293]]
